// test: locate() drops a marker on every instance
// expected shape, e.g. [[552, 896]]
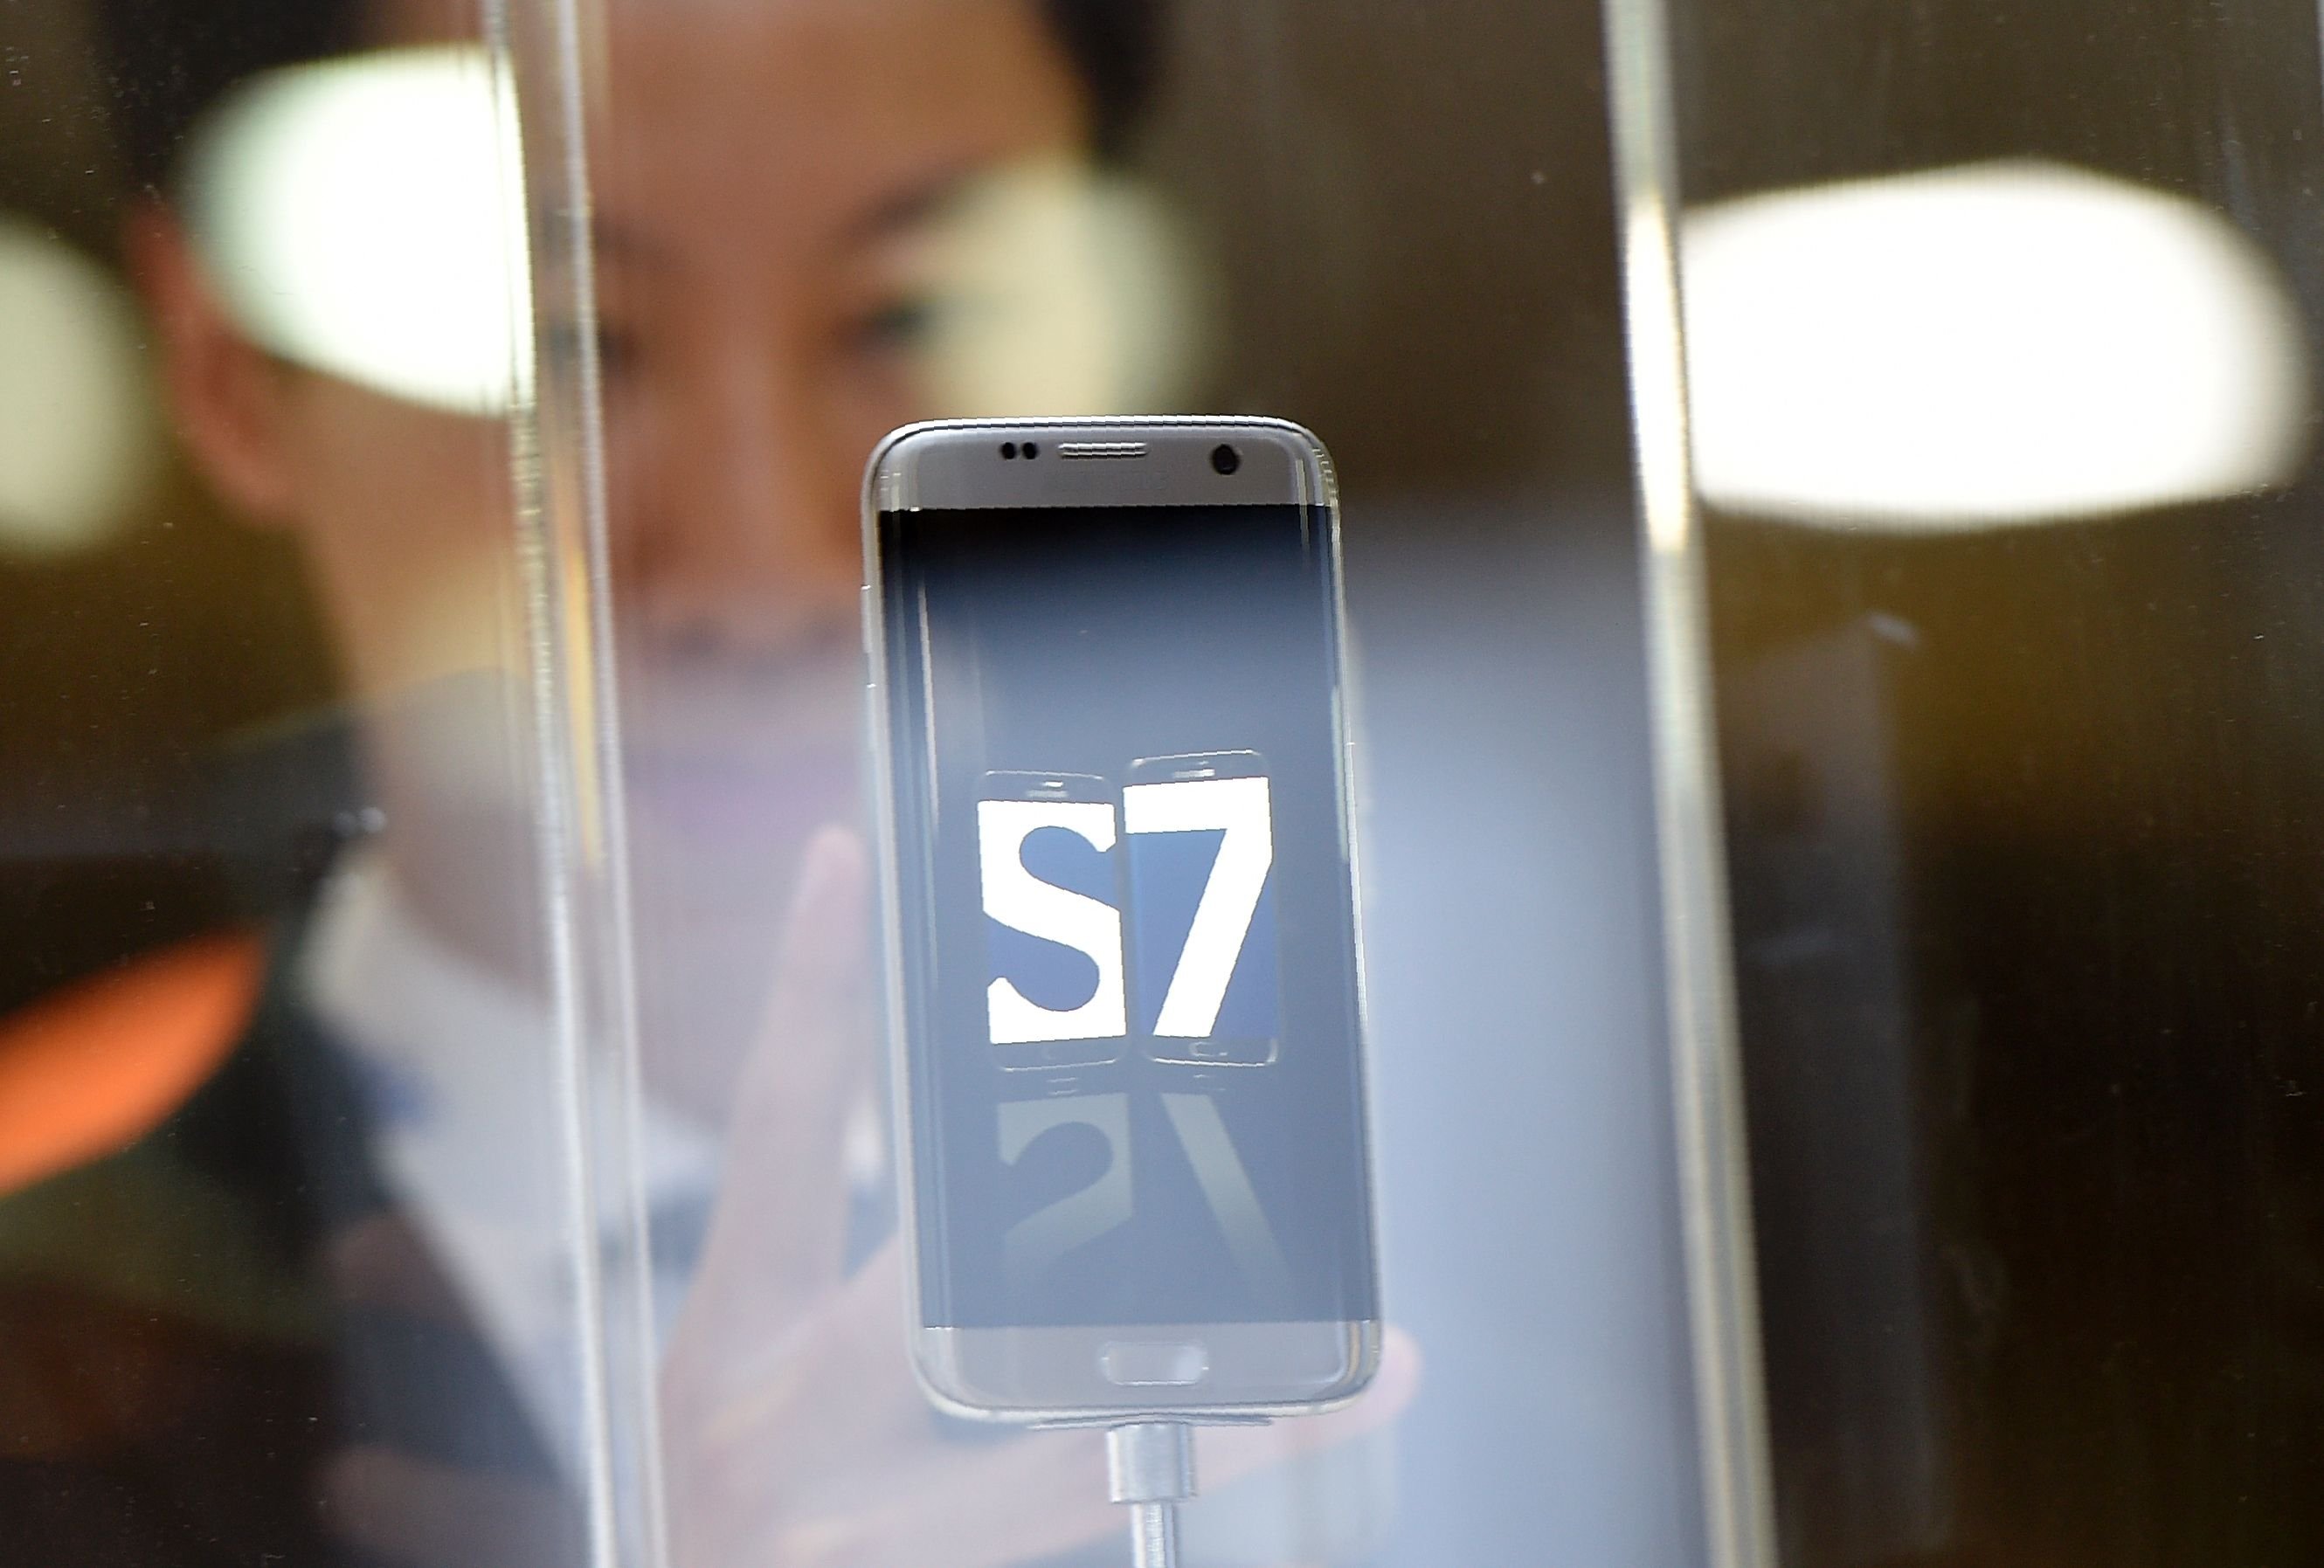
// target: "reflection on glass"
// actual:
[[313, 1250], [1988, 343], [1060, 288], [78, 443], [365, 218], [2020, 821]]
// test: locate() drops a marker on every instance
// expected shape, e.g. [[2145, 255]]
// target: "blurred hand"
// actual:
[[795, 1434]]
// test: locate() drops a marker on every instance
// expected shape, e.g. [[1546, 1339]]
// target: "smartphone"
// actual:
[[1117, 880], [1200, 847]]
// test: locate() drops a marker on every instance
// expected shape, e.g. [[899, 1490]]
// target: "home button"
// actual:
[[1148, 1364]]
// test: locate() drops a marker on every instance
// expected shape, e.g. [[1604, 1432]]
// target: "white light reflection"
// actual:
[[1997, 343], [79, 434], [1062, 291], [366, 218]]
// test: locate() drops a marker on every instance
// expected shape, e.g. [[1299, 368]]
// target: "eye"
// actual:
[[903, 325]]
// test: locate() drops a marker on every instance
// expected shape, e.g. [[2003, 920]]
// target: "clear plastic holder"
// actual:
[[1706, 1072], [553, 51]]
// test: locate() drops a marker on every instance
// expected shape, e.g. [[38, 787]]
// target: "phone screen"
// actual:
[[1128, 951]]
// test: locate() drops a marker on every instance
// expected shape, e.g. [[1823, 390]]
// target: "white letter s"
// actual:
[[1016, 898]]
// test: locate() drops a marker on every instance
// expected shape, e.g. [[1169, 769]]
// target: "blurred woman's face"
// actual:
[[765, 174], [764, 180]]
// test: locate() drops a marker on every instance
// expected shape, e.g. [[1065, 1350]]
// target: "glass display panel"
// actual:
[[299, 1247], [1994, 473], [435, 691]]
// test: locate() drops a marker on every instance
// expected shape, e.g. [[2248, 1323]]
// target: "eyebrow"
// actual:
[[914, 205]]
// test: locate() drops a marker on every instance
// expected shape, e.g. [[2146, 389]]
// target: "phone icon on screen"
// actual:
[[1199, 833], [1056, 993]]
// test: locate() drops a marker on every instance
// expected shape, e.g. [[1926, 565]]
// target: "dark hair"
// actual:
[[1116, 50], [168, 61]]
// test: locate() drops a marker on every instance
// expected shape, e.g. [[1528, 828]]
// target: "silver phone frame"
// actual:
[[944, 463]]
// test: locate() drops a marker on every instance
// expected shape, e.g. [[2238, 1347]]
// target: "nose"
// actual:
[[735, 526]]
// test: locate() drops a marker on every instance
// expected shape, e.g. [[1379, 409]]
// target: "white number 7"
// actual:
[[1198, 985]]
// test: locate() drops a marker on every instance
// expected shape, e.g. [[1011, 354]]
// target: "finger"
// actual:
[[423, 1515], [843, 1369], [828, 1403], [777, 1235]]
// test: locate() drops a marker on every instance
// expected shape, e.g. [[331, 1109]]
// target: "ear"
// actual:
[[230, 398]]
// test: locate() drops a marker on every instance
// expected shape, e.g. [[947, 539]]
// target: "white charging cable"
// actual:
[[1150, 1465]]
